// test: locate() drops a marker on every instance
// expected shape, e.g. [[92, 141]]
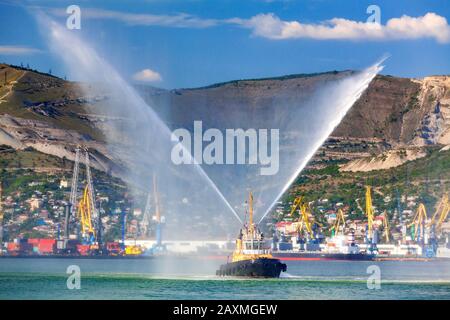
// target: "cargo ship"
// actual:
[[338, 248], [318, 256], [252, 258]]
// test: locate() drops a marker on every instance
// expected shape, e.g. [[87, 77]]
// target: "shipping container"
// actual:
[[113, 248], [33, 241], [13, 247], [46, 246], [83, 249]]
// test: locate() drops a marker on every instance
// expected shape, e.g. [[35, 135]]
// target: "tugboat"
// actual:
[[251, 258]]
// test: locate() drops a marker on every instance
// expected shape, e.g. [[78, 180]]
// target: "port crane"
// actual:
[[304, 220], [340, 221], [386, 227], [371, 235], [85, 215], [440, 215], [90, 186], [435, 225], [369, 211], [159, 219], [418, 224], [298, 201], [146, 216], [85, 209]]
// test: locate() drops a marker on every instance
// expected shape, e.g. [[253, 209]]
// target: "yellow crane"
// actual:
[[296, 205], [419, 221], [305, 213], [85, 208], [85, 214], [369, 212], [441, 213], [340, 221]]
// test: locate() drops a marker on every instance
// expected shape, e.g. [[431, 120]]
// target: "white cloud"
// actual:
[[181, 20], [17, 50], [430, 25], [147, 75], [270, 26]]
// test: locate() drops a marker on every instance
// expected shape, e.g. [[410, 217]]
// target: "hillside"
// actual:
[[52, 115], [390, 138]]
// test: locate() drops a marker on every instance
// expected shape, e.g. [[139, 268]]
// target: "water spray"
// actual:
[[87, 61], [345, 104]]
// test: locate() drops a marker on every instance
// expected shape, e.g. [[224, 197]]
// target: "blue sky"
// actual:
[[190, 43]]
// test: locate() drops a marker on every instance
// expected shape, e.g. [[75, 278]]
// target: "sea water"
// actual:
[[146, 279]]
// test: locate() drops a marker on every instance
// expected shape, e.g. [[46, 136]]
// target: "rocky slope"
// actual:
[[394, 115], [406, 114]]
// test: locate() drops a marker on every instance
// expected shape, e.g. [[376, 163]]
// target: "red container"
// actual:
[[48, 241], [113, 247], [13, 247], [33, 241], [83, 249], [46, 246]]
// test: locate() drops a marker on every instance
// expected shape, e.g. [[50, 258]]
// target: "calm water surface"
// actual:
[[183, 278]]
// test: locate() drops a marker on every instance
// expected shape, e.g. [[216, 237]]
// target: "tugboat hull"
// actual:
[[259, 268]]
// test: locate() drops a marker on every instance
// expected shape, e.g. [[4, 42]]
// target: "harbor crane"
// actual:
[[298, 201], [369, 211], [85, 209], [371, 234], [74, 184], [85, 215], [440, 215], [340, 221], [305, 211], [435, 224], [418, 224], [145, 225], [419, 227], [386, 227], [90, 186], [305, 222], [157, 218]]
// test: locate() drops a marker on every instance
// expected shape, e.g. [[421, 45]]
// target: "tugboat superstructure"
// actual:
[[252, 258]]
